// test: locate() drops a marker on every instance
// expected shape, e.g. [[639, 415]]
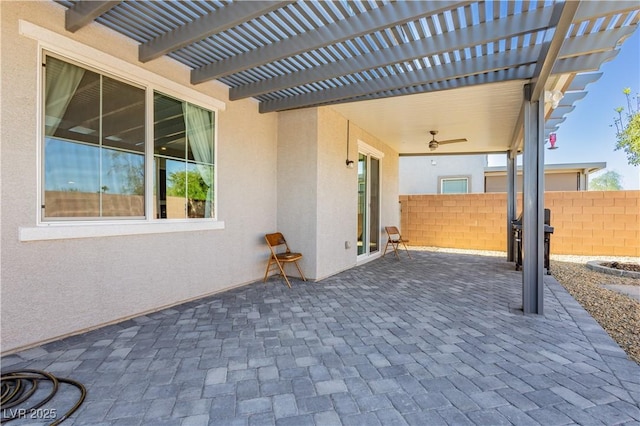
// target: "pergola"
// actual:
[[479, 70]]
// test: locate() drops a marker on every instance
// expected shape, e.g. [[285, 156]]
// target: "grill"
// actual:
[[517, 235]]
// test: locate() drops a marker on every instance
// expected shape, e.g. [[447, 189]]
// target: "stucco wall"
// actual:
[[340, 187], [337, 196], [55, 287], [585, 222], [278, 171], [298, 185], [389, 185], [318, 194]]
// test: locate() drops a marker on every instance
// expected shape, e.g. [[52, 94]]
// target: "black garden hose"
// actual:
[[16, 387]]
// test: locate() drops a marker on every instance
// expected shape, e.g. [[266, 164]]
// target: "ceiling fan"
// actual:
[[433, 144]]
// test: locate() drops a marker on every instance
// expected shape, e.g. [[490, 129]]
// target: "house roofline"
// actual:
[[587, 168]]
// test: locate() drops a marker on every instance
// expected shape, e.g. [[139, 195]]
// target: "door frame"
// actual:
[[369, 151]]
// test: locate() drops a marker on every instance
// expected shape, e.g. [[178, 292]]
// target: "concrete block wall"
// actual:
[[585, 223], [595, 222]]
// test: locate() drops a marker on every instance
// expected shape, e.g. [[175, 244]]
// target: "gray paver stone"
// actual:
[[488, 417], [284, 406], [331, 386], [216, 376], [381, 343], [373, 403], [255, 405]]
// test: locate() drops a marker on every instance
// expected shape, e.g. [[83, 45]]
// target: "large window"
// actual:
[[96, 150]]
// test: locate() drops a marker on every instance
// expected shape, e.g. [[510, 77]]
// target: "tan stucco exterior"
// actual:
[[274, 172], [317, 193]]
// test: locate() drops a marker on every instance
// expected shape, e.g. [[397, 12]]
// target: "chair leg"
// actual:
[[283, 273], [385, 249], [300, 271], [407, 250], [280, 267], [287, 280], [395, 249], [266, 273]]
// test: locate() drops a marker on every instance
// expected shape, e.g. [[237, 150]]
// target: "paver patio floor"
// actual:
[[430, 341]]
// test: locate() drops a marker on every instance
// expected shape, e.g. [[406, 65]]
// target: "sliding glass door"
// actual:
[[368, 205]]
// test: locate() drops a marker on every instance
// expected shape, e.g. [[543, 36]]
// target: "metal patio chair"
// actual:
[[394, 239], [279, 258]]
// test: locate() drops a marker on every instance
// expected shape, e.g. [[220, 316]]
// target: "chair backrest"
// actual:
[[392, 231], [276, 239]]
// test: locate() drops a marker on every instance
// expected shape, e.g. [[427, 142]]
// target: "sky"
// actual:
[[588, 134]]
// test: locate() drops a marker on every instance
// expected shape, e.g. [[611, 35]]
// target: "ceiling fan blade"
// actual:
[[452, 141]]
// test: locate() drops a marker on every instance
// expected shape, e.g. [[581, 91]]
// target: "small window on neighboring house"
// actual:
[[454, 185], [96, 151]]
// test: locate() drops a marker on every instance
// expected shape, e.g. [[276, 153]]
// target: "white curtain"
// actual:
[[62, 82], [199, 125]]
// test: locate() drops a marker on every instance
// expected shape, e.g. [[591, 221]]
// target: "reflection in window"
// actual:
[[183, 159], [94, 145], [362, 202], [95, 150]]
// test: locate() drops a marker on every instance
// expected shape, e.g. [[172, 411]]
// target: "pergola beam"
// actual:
[[518, 131], [561, 21], [554, 122], [579, 56], [216, 22], [469, 67], [519, 73], [570, 98], [561, 111], [487, 32], [576, 64], [572, 62], [588, 10], [580, 81], [392, 14], [551, 50], [594, 43], [84, 12]]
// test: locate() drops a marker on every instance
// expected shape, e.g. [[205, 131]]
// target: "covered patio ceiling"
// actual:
[[397, 69]]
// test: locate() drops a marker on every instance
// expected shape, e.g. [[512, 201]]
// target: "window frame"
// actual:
[[97, 219], [188, 142], [443, 179], [66, 49]]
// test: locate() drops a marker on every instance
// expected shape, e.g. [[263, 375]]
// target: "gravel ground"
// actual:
[[618, 314]]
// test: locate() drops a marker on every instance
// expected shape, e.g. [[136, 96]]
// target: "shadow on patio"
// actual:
[[425, 341]]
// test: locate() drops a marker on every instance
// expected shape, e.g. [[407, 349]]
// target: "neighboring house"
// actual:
[[442, 174], [557, 177], [462, 174]]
